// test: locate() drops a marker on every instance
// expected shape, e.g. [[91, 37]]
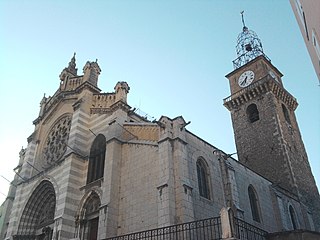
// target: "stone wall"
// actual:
[[205, 208], [244, 178], [138, 194], [294, 235]]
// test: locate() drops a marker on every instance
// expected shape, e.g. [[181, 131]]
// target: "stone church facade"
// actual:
[[94, 168]]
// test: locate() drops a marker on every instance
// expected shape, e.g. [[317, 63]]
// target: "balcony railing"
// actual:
[[217, 228], [246, 231], [198, 230]]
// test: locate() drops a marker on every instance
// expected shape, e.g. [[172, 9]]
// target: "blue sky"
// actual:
[[173, 54]]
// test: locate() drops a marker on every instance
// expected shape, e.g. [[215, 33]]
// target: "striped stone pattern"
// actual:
[[69, 178], [79, 135], [66, 179], [99, 124], [27, 171]]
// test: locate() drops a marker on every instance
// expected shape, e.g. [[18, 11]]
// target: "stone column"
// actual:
[[166, 199], [183, 189], [227, 224], [109, 210], [175, 204]]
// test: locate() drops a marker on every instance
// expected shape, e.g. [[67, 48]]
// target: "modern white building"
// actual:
[[307, 13]]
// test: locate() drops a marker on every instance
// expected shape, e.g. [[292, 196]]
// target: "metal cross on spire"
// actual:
[[244, 25]]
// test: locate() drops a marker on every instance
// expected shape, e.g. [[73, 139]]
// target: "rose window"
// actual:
[[56, 143]]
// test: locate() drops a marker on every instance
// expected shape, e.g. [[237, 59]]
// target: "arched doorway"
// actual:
[[90, 218], [38, 215]]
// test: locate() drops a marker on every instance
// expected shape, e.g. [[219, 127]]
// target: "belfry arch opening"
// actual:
[[37, 218], [252, 113]]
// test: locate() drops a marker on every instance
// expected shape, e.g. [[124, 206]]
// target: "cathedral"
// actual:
[[96, 169]]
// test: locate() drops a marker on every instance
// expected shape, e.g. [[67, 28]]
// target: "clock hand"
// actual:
[[245, 80]]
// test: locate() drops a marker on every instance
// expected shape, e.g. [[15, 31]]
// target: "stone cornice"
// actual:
[[263, 58], [88, 85], [100, 111], [118, 105], [60, 96], [91, 185], [262, 86]]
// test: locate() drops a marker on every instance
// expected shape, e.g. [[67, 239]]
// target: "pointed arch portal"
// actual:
[[37, 217], [90, 217]]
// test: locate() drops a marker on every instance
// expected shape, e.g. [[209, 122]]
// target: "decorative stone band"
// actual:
[[265, 84]]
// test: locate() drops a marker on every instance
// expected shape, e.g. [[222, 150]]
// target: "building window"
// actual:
[[305, 26], [286, 114], [252, 113], [316, 43], [96, 159], [254, 204], [203, 178], [293, 218], [302, 17]]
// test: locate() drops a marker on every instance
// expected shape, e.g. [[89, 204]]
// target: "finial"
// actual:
[[43, 100], [73, 59], [71, 69], [244, 25], [72, 65], [96, 60]]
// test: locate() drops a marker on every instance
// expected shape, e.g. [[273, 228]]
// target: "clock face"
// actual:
[[246, 78]]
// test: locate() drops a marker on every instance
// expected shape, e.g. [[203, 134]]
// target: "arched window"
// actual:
[[203, 181], [252, 113], [293, 217], [254, 204], [96, 159], [286, 114]]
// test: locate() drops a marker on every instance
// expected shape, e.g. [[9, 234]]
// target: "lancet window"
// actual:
[[96, 159]]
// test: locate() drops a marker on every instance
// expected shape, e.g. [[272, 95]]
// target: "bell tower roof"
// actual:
[[248, 47]]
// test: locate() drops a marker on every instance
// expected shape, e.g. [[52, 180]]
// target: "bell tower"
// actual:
[[266, 131]]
